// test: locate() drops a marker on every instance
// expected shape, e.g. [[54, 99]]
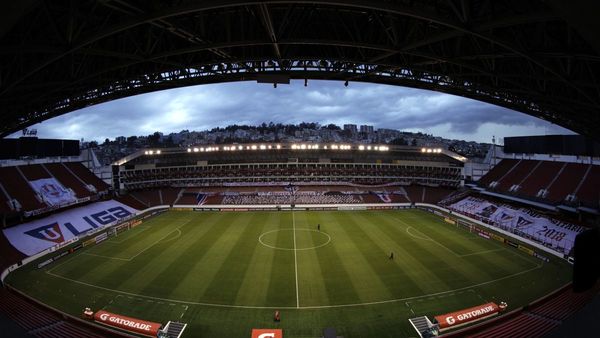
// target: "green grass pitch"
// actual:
[[225, 273]]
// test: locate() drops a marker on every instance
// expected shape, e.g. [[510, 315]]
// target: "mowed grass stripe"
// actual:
[[205, 257], [174, 258], [282, 285], [230, 275], [356, 262], [335, 277], [454, 270], [311, 278], [158, 228], [460, 241], [256, 282], [104, 269], [425, 254], [410, 275]]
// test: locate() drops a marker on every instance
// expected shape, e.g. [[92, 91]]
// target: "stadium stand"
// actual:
[[169, 195], [555, 183], [589, 191], [38, 321], [566, 182], [149, 197], [34, 189], [5, 204], [534, 320], [17, 187], [66, 177], [540, 178], [87, 176], [517, 175], [523, 222], [497, 172], [34, 172], [131, 201]]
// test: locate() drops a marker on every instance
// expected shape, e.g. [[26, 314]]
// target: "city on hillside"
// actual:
[[112, 150]]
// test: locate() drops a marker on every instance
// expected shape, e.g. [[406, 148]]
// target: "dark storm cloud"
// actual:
[[205, 107]]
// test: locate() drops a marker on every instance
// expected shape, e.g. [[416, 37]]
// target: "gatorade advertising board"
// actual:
[[138, 326], [267, 333], [458, 318]]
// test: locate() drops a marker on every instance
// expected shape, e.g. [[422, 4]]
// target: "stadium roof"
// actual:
[[538, 57]]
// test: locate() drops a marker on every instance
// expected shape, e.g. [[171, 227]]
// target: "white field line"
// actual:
[[165, 236], [482, 252], [295, 259], [145, 249], [294, 307], [427, 238], [107, 257], [141, 227]]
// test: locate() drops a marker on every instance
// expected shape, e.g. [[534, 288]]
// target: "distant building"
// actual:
[[351, 127], [366, 129]]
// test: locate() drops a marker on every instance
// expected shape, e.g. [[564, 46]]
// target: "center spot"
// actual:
[[283, 239]]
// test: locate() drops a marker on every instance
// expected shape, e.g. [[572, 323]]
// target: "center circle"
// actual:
[[269, 239]]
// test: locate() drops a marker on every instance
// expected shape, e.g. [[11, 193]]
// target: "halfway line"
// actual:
[[295, 259]]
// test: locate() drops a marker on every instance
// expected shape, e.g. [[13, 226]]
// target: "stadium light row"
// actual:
[[298, 146], [431, 150]]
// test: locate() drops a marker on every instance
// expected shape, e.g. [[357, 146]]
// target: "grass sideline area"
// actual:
[[225, 273]]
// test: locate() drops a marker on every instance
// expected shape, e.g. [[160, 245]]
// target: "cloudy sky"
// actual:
[[219, 105]]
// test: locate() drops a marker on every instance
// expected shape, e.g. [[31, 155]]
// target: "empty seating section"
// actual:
[[87, 176], [27, 315], [589, 193], [540, 178], [434, 195], [18, 188], [149, 197], [34, 172], [169, 195], [539, 317], [516, 175], [8, 254], [497, 172], [302, 195], [188, 198], [415, 193], [39, 322], [566, 182], [521, 326], [15, 185], [347, 173], [132, 202], [4, 202], [64, 176], [549, 181], [563, 305]]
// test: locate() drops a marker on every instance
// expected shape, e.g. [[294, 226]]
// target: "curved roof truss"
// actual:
[[62, 55]]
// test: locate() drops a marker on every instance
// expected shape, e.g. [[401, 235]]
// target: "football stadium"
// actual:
[[269, 239]]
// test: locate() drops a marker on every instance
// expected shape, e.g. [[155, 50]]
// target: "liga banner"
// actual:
[[465, 316], [41, 234], [52, 191], [149, 329], [553, 233]]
